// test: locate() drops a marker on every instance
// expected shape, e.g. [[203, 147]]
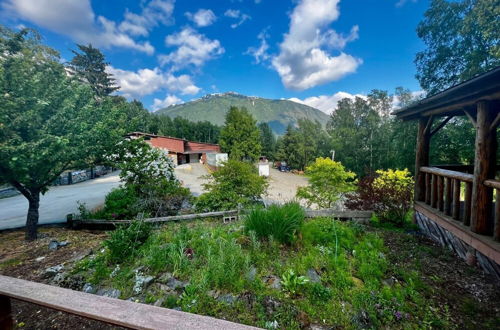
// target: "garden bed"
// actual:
[[335, 275]]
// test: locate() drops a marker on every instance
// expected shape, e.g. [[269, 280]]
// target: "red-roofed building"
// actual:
[[180, 150]]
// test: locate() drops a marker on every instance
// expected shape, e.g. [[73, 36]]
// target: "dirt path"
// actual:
[[283, 186]]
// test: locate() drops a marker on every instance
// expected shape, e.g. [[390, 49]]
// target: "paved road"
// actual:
[[61, 200], [57, 202]]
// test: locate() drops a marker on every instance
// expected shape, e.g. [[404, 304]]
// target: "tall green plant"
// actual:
[[282, 222]]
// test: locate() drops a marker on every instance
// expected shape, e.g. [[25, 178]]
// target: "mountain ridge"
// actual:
[[278, 113]]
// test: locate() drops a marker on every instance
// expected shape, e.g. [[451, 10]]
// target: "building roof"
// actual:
[[177, 145], [455, 99]]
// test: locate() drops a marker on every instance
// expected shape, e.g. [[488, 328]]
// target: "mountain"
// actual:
[[277, 113]]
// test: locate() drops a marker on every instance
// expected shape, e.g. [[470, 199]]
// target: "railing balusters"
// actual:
[[456, 199], [434, 191], [440, 205], [468, 203], [428, 182], [496, 233], [447, 200]]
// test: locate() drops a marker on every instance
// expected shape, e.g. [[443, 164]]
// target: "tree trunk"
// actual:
[[32, 218]]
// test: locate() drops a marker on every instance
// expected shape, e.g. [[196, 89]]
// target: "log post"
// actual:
[[434, 191], [484, 168], [440, 202], [428, 183], [447, 199], [468, 203], [422, 156], [496, 234], [6, 321], [456, 199]]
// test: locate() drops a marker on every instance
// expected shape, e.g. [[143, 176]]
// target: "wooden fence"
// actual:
[[232, 215]]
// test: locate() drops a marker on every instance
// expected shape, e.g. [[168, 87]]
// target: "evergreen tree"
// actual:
[[240, 136], [267, 140], [89, 66]]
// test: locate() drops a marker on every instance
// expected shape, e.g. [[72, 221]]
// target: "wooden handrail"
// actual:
[[492, 184], [465, 177], [109, 310]]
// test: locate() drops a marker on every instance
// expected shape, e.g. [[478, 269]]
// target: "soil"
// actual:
[[472, 297]]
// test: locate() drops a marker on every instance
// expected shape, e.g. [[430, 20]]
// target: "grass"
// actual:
[[227, 259]]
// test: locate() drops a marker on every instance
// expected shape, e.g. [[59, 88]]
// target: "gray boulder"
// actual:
[[313, 276]]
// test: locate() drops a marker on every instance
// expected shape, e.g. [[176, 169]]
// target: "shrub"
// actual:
[[163, 199], [282, 222], [124, 241], [233, 184], [388, 193], [328, 180], [120, 203]]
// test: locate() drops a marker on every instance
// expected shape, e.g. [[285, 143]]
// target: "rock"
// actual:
[[313, 276], [164, 278], [39, 259], [141, 282], [112, 293], [58, 279], [389, 281], [53, 245], [357, 282], [74, 282], [177, 309], [89, 288], [63, 243], [52, 271], [227, 298], [159, 302], [273, 282], [252, 272], [272, 325], [174, 284], [270, 304], [213, 293]]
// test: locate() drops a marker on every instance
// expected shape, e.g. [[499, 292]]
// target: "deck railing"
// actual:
[[450, 192]]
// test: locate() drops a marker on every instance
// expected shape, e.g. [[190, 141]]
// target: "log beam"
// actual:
[[441, 125], [484, 168], [422, 156]]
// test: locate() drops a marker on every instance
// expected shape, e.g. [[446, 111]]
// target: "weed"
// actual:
[[125, 241], [292, 282]]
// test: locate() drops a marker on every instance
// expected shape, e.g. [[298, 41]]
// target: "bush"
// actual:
[[282, 222], [233, 184], [328, 180], [163, 199], [388, 193], [124, 241]]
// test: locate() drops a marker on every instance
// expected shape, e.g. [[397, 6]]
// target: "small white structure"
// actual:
[[216, 159], [263, 167]]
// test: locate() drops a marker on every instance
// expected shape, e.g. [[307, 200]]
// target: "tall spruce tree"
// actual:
[[89, 66]]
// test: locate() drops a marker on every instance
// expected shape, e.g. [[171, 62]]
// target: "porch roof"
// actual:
[[454, 100]]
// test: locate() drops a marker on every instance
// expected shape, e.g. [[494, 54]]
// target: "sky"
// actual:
[[165, 52]]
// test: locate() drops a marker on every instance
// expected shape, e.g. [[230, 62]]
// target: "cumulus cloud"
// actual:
[[134, 84], [260, 53], [167, 101], [303, 62], [77, 20], [326, 103], [153, 13], [193, 48], [203, 17], [238, 15]]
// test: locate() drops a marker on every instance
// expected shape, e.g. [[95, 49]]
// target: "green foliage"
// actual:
[[240, 136], [89, 67], [292, 282], [202, 131], [328, 181], [50, 122], [120, 202], [461, 39], [124, 242], [233, 184], [281, 222], [300, 146], [267, 140]]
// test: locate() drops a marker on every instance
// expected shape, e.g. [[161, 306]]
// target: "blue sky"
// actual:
[[165, 51]]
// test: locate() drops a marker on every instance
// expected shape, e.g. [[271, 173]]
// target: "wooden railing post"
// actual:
[[484, 168], [422, 156], [447, 200], [456, 199], [434, 191], [428, 183], [468, 203], [440, 193], [6, 321], [496, 233]]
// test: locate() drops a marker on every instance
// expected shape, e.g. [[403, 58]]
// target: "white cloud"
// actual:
[[203, 17], [77, 20], [401, 3], [167, 101], [326, 103], [193, 48], [134, 84], [260, 54], [302, 63], [153, 13], [237, 14]]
